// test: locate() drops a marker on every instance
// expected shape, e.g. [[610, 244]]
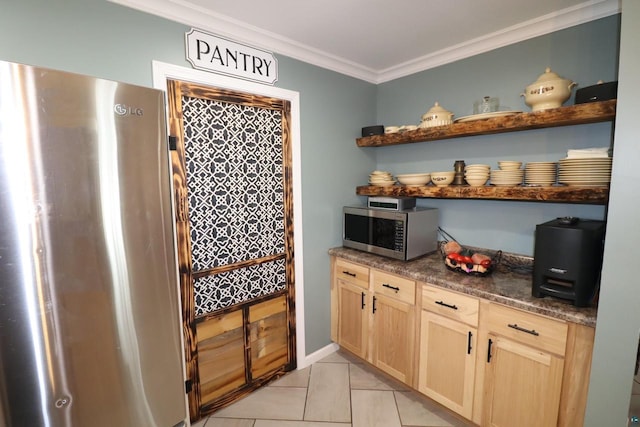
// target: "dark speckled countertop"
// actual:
[[503, 285]]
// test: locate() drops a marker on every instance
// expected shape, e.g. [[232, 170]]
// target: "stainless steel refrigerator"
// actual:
[[90, 331]]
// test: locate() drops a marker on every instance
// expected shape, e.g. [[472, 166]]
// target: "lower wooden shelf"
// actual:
[[553, 194]]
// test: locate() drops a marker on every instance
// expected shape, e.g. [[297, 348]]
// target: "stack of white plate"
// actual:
[[381, 178], [540, 173], [504, 178], [476, 175], [585, 172]]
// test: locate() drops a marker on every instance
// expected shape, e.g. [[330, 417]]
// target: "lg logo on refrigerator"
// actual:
[[126, 110]]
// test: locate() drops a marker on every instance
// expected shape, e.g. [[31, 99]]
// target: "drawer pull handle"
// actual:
[[469, 342], [349, 273], [362, 301], [444, 304], [518, 328], [374, 305], [489, 350], [395, 288]]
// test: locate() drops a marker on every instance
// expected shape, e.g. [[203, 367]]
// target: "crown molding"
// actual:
[[189, 14], [559, 20]]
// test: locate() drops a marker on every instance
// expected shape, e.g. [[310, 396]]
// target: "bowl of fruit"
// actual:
[[468, 261]]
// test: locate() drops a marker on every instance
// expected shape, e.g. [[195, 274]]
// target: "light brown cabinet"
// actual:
[[448, 336], [353, 320], [393, 324], [523, 369], [351, 294], [375, 319], [493, 364]]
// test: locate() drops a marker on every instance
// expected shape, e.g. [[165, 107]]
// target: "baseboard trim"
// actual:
[[312, 358]]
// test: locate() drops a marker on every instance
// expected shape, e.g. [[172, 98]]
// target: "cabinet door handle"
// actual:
[[521, 329], [489, 350], [362, 301], [395, 288], [349, 273], [374, 305], [444, 304], [469, 342]]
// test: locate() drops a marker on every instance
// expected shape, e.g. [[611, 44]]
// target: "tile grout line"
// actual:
[[350, 396], [306, 395], [395, 399]]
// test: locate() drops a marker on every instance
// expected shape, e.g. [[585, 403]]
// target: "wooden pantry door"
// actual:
[[232, 172]]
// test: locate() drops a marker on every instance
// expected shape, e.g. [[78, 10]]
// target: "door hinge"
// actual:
[[188, 386], [173, 143]]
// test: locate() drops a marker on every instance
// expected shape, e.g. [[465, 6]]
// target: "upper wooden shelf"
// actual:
[[553, 194], [593, 112]]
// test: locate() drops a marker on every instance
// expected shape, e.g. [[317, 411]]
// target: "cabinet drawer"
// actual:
[[394, 286], [352, 273], [531, 329], [450, 304]]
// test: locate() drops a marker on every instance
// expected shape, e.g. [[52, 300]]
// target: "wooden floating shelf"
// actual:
[[559, 194], [593, 112]]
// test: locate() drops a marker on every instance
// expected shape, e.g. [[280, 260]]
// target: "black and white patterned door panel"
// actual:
[[222, 290], [234, 172]]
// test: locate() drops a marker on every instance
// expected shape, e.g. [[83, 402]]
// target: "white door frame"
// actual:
[[163, 71]]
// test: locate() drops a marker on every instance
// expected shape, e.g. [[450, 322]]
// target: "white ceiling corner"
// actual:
[[319, 50]]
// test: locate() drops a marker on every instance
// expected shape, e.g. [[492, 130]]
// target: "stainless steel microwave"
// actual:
[[403, 235]]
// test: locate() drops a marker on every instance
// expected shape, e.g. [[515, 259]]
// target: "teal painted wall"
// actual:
[[618, 327], [105, 40], [91, 37], [585, 54]]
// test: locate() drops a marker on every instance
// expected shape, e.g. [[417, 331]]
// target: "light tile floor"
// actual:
[[338, 391]]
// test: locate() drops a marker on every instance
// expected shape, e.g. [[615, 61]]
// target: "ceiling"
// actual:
[[378, 40]]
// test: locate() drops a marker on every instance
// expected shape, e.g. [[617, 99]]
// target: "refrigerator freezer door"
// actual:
[[89, 312]]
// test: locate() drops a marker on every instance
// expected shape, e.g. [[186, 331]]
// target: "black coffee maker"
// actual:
[[568, 259]]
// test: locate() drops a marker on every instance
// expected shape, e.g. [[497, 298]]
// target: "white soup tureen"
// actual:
[[436, 116], [549, 91]]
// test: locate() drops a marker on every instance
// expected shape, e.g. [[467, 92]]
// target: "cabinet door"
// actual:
[[522, 385], [447, 362], [352, 318], [393, 341]]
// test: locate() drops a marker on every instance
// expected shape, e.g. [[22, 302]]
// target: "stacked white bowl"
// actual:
[[381, 178], [509, 174], [476, 175]]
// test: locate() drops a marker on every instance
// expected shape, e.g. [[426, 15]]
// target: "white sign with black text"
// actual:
[[210, 52]]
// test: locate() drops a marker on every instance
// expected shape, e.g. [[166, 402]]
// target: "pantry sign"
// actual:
[[209, 52]]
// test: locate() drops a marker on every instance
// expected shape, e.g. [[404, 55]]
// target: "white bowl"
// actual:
[[476, 182], [382, 183], [509, 165], [477, 170], [442, 179], [414, 179]]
